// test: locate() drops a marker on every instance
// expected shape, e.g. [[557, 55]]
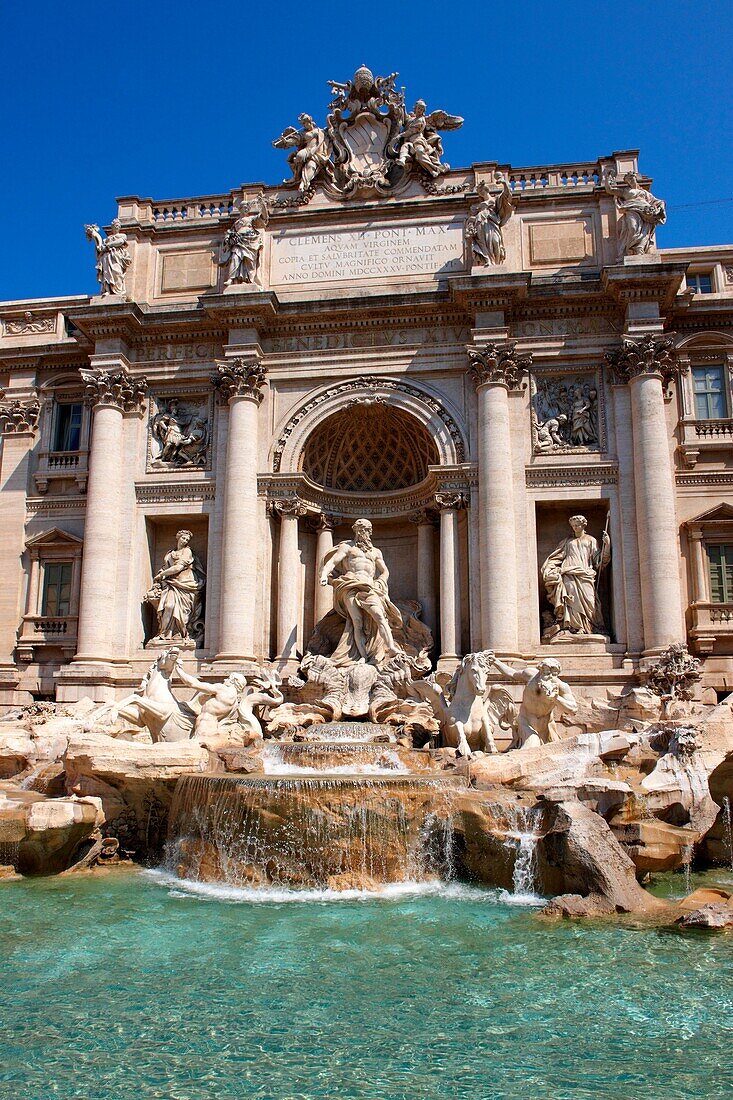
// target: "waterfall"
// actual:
[[522, 839], [728, 827], [335, 757], [332, 831]]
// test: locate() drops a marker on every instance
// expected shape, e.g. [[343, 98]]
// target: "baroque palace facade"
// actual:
[[467, 357]]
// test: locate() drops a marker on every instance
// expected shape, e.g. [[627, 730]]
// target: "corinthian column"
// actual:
[[647, 365], [111, 391], [323, 599], [288, 577], [496, 369], [241, 385], [18, 424], [450, 575]]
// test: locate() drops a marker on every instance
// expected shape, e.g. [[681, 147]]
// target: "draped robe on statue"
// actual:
[[367, 592], [569, 575]]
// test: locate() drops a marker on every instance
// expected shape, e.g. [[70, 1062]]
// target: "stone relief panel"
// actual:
[[179, 432], [567, 413], [184, 271], [555, 243], [29, 324]]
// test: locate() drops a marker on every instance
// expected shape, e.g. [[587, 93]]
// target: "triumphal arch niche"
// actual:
[[497, 366]]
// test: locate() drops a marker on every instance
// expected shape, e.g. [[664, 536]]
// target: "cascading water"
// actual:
[[522, 838], [332, 831], [339, 757], [728, 827]]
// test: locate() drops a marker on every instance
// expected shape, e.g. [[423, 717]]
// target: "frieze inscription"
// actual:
[[369, 338]]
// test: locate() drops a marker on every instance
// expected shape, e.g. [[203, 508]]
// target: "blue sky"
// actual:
[[169, 100]]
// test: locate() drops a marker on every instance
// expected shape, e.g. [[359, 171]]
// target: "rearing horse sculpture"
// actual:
[[469, 713], [154, 704]]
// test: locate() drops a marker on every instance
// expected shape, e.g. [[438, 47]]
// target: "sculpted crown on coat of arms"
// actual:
[[371, 143]]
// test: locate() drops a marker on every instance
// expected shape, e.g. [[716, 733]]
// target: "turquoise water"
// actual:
[[127, 987]]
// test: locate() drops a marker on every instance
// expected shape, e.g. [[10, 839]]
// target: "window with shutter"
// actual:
[[720, 557]]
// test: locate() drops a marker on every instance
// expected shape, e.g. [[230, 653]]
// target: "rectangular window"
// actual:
[[67, 427], [710, 396], [56, 589], [720, 557], [701, 283]]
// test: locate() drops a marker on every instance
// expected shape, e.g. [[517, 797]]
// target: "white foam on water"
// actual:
[[276, 769], [393, 891]]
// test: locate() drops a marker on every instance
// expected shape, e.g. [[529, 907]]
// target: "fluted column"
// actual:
[[496, 370], [648, 364], [111, 391], [18, 425], [288, 577], [323, 597], [450, 575], [241, 385], [424, 520]]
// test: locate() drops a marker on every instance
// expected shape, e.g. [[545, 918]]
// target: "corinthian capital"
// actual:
[[240, 378], [498, 364], [288, 506], [19, 417], [116, 387], [645, 355]]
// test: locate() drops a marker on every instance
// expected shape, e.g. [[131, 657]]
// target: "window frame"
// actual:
[[720, 542], [58, 405], [724, 391]]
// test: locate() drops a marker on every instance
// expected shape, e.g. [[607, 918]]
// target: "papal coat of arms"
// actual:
[[371, 143]]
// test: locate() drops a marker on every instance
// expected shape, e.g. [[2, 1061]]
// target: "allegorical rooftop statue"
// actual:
[[484, 227], [242, 244], [113, 257], [640, 213], [370, 143]]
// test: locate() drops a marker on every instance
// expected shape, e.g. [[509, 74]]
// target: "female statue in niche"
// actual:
[[177, 593], [570, 575]]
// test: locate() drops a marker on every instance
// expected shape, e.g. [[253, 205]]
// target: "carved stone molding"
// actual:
[[19, 417], [645, 355], [446, 501], [30, 324], [552, 477], [157, 493], [240, 378], [288, 506], [423, 517], [498, 364], [373, 387], [117, 388]]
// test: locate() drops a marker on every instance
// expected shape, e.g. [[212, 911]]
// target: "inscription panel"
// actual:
[[340, 255]]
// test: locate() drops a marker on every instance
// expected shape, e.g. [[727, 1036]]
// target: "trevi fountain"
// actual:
[[366, 726]]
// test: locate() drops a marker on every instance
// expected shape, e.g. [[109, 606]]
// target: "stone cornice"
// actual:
[[117, 388], [645, 355], [239, 377], [19, 417], [498, 291], [244, 308], [557, 475], [498, 364], [644, 282], [156, 492], [119, 319]]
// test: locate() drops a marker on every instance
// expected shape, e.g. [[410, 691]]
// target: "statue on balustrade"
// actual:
[[571, 575], [311, 151], [640, 213], [113, 257], [243, 244], [484, 227], [177, 594], [544, 693]]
